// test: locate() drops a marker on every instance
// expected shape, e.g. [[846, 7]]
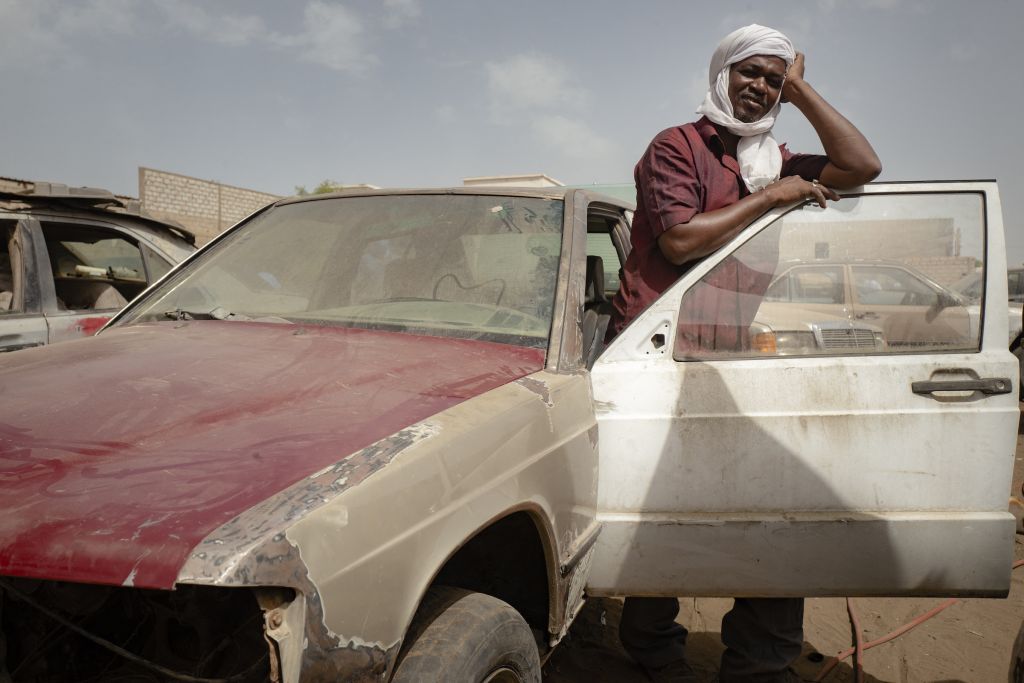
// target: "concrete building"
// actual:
[[526, 180]]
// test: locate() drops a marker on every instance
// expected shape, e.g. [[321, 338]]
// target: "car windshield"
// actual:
[[468, 266]]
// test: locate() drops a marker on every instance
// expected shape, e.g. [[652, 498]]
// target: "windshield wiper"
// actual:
[[215, 314]]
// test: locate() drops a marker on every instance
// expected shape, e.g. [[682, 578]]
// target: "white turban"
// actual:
[[757, 152]]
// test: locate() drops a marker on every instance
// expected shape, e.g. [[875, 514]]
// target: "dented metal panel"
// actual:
[[362, 549], [170, 430]]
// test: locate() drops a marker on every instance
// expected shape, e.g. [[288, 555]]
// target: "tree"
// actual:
[[324, 187]]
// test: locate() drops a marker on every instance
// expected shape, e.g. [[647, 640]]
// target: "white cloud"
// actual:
[[97, 16], [225, 29], [963, 53], [695, 90], [332, 36], [399, 12], [540, 93], [531, 81], [40, 31], [445, 113], [573, 138]]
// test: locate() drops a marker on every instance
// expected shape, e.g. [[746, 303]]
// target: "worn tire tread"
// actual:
[[456, 632]]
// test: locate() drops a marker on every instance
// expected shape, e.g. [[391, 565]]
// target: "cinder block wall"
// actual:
[[203, 206], [943, 269]]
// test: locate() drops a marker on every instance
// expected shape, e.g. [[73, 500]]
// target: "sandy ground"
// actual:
[[969, 642]]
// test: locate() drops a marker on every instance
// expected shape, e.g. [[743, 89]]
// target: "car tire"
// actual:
[[1017, 658], [459, 635]]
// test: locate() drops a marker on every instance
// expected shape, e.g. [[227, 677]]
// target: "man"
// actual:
[[698, 186]]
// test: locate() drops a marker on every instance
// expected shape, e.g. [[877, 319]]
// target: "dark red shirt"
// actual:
[[685, 171]]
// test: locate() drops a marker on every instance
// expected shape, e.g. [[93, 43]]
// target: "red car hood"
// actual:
[[119, 453]]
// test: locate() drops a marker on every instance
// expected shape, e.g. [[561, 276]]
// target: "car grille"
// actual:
[[848, 338]]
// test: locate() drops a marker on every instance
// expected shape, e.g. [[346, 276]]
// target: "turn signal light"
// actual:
[[764, 342]]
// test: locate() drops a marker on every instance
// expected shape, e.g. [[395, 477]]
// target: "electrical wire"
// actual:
[[860, 647]]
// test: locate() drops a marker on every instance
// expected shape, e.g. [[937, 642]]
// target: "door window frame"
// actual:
[[660, 317]]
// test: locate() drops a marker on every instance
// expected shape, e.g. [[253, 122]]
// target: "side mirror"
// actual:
[[943, 301]]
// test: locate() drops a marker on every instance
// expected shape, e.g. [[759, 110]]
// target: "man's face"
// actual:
[[754, 86]]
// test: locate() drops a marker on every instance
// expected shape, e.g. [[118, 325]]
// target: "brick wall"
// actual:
[[943, 269], [203, 206]]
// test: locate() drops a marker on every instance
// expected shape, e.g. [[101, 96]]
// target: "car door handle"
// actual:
[[988, 385], [870, 315]]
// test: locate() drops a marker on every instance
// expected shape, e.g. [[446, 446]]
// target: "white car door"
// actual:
[[812, 465]]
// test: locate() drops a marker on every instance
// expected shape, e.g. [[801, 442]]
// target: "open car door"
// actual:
[[754, 446]]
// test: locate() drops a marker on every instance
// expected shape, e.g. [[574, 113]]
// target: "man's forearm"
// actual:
[[851, 156], [706, 232]]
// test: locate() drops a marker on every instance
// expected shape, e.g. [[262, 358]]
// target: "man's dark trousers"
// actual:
[[762, 636]]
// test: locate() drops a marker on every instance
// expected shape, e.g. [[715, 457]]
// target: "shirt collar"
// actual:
[[711, 137], [709, 134]]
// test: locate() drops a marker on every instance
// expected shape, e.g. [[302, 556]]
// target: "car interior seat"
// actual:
[[107, 297], [6, 280], [597, 311]]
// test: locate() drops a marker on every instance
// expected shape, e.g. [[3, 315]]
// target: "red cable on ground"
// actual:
[[859, 649]]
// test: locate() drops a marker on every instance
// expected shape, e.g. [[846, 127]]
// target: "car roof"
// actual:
[[54, 198], [563, 193]]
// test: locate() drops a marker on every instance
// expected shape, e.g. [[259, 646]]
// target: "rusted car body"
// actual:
[[261, 467], [72, 257]]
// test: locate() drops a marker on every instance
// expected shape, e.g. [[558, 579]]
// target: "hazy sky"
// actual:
[[270, 95]]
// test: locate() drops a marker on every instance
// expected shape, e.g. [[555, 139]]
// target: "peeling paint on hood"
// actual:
[[119, 453]]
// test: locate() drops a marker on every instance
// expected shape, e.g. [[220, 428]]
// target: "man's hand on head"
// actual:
[[794, 77]]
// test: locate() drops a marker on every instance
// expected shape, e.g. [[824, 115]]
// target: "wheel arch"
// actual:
[[513, 557]]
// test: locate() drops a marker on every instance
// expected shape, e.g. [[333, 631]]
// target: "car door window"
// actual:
[[782, 292], [10, 299], [93, 268], [600, 244], [809, 285], [891, 287], [156, 265]]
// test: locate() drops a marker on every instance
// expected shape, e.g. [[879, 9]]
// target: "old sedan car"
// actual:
[[785, 330], [910, 307], [379, 436], [72, 257]]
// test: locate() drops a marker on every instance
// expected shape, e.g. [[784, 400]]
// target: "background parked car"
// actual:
[[911, 308], [1015, 282], [971, 286], [72, 257], [785, 330]]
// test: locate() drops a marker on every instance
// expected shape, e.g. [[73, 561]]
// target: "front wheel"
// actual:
[[467, 637]]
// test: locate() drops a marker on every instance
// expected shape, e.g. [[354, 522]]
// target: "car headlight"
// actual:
[[789, 342]]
